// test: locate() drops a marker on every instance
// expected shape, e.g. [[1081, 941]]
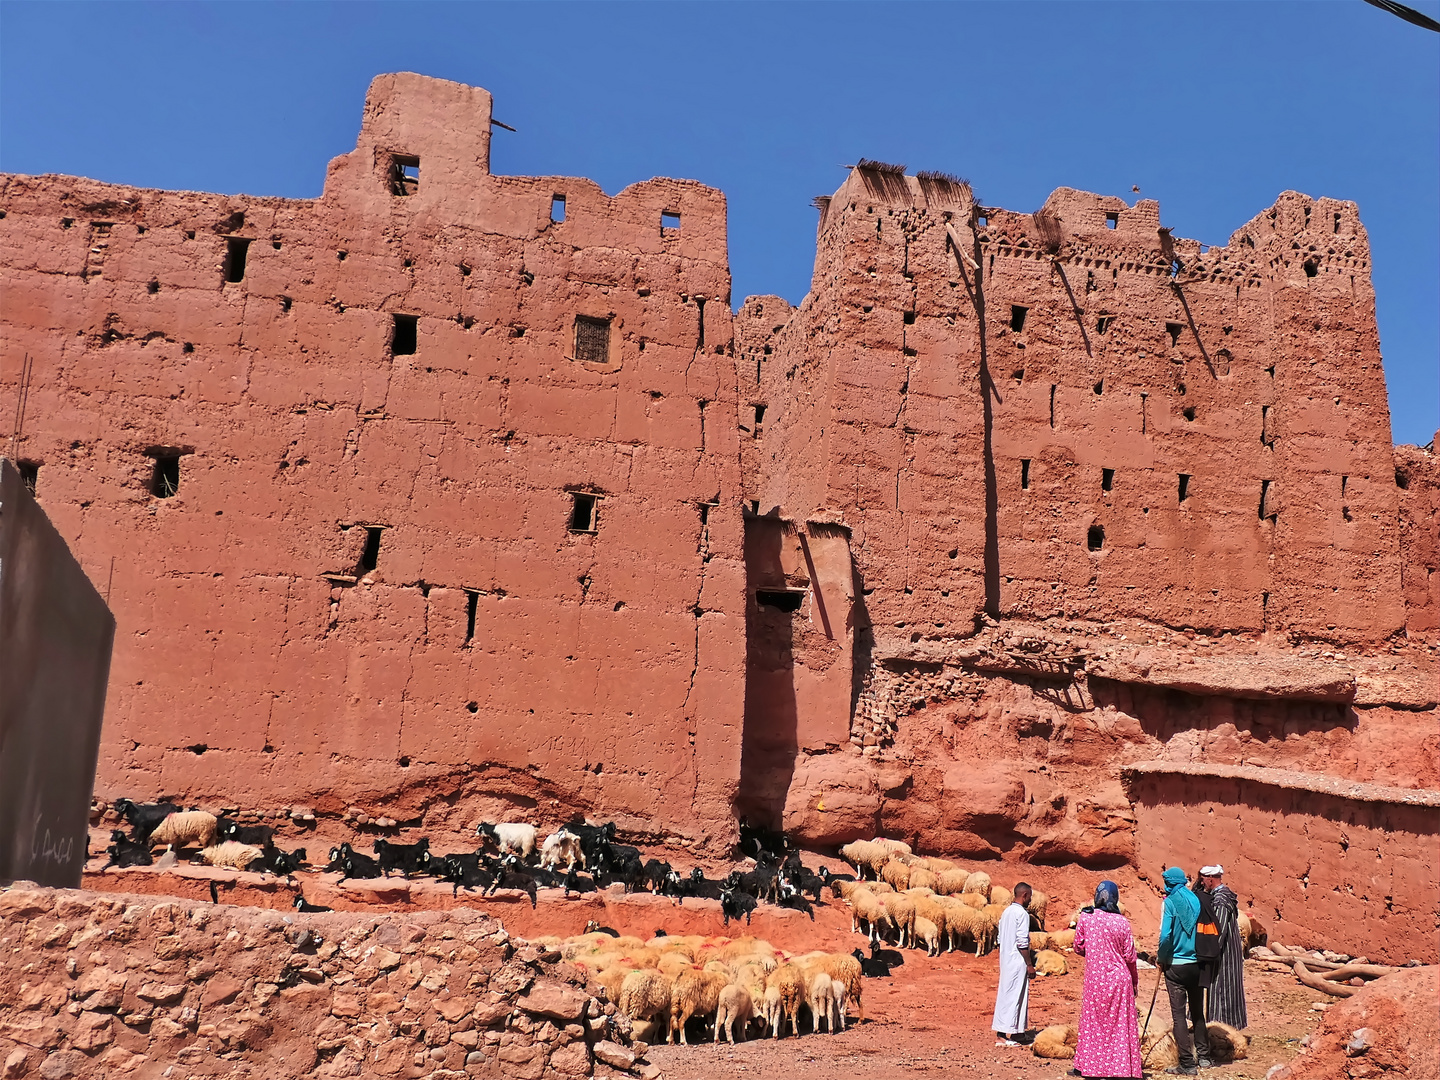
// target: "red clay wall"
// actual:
[[600, 668]]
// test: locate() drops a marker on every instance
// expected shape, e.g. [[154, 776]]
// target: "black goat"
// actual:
[[790, 897], [574, 883], [701, 887], [407, 858], [619, 862], [354, 865], [889, 957], [800, 878], [274, 861], [144, 817], [734, 903], [301, 904], [126, 852], [511, 876], [591, 838], [871, 968], [257, 835], [763, 882], [653, 874], [757, 838], [464, 872], [832, 881]]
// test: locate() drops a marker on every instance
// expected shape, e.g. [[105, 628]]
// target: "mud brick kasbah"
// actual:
[[449, 495]]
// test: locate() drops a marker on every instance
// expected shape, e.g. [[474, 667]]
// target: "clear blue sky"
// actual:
[[1212, 108]]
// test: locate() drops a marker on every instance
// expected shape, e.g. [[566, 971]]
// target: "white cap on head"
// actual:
[[1212, 871]]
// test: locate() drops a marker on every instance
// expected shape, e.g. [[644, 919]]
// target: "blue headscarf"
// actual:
[[1107, 897], [1174, 879]]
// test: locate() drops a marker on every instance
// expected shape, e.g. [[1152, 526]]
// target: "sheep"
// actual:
[[933, 909], [926, 933], [1226, 1044], [1001, 895], [1056, 1042], [1039, 902], [936, 865], [978, 882], [144, 817], [560, 846], [951, 882], [695, 993], [820, 1000], [861, 854], [983, 928], [1039, 941], [840, 999], [1159, 1052], [959, 925], [645, 995], [900, 916], [921, 878], [231, 854], [844, 971], [515, 838], [733, 1014], [189, 827], [1252, 933], [789, 985], [896, 874], [972, 899], [1050, 963], [612, 980], [865, 908], [1062, 939], [892, 847]]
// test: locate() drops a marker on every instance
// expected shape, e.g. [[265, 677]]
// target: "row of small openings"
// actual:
[[163, 483], [592, 337], [1107, 480]]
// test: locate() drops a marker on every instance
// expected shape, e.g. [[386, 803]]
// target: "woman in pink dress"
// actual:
[[1109, 1043]]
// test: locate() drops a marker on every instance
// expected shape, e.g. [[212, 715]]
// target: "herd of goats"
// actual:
[[579, 857]]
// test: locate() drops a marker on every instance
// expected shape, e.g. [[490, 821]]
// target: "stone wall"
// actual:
[[109, 985]]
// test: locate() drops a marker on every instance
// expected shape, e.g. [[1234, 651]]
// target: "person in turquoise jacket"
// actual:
[[1183, 973]]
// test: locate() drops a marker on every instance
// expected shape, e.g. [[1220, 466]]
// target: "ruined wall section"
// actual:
[[365, 589], [1417, 475]]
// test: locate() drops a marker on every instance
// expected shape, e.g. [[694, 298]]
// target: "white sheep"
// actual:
[[510, 837], [560, 846], [187, 827], [734, 1013], [820, 998], [231, 854], [926, 933], [645, 996]]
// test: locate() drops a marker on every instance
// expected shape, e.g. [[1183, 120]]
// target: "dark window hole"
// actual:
[[1402, 479], [404, 762], [29, 474], [759, 419], [592, 339], [1095, 537], [1099, 387], [669, 221], [1018, 374], [370, 557], [1024, 478], [786, 600], [1103, 323], [285, 303], [66, 222], [1107, 479], [1265, 500], [909, 318], [404, 335], [1174, 329], [1311, 267], [153, 288], [198, 749], [1188, 412], [1184, 486], [1017, 317], [1112, 219], [472, 707], [275, 244], [582, 511], [236, 252], [404, 174], [557, 208], [472, 605], [165, 473]]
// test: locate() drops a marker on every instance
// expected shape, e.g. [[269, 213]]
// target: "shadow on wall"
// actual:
[[770, 741], [862, 637], [1164, 713]]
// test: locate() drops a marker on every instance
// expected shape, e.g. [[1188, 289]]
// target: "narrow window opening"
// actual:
[[1102, 324], [786, 600], [1112, 218], [909, 318], [1344, 483], [404, 335], [1188, 412], [1174, 329], [1017, 317], [755, 506], [1095, 537], [1018, 374], [1402, 479], [236, 251], [592, 340], [1337, 224], [1025, 474], [1099, 387], [557, 208], [286, 303], [1107, 479], [1311, 267], [370, 557], [582, 511], [669, 222], [29, 474], [153, 287], [1052, 405], [705, 513], [472, 605], [759, 419], [1266, 437], [1265, 500], [404, 174], [982, 221], [700, 307], [1184, 486], [165, 474]]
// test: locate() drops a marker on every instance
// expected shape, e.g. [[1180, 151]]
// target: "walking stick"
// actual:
[[1159, 974]]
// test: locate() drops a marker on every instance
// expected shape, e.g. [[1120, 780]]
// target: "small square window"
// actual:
[[670, 222], [404, 174], [236, 250], [165, 471], [557, 208], [583, 511], [1017, 317], [982, 221], [29, 474], [404, 335], [1112, 219], [1107, 479], [1104, 323], [592, 339]]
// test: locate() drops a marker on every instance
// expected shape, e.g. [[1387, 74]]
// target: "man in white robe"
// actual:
[[1017, 968]]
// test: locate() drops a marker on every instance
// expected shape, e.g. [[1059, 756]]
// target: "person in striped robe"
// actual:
[[1225, 1001]]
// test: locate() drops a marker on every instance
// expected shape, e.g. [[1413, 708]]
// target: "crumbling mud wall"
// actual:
[[108, 985], [55, 640], [424, 494]]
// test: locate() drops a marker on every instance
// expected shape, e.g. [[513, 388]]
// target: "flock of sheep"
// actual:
[[671, 985]]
